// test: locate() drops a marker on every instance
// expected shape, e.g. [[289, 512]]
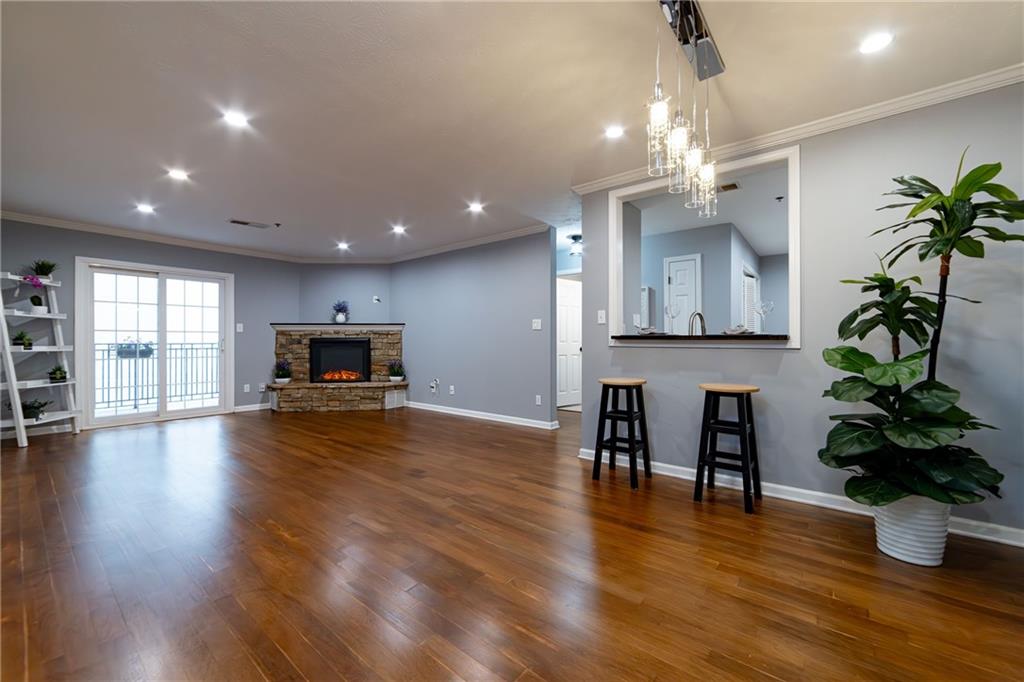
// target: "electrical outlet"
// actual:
[[239, 327], [451, 390], [601, 317], [245, 388], [261, 387], [434, 385], [536, 324], [538, 400]]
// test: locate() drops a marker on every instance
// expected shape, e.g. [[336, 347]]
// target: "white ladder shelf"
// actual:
[[13, 384]]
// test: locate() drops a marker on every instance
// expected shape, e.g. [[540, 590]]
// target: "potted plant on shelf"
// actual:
[[43, 268], [340, 311], [38, 307], [130, 348], [58, 374], [906, 458], [396, 371], [22, 339], [282, 371], [34, 409]]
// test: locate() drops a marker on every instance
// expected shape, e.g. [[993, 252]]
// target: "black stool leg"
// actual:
[[748, 501], [601, 417], [755, 465], [716, 406], [643, 430], [634, 482], [698, 484], [614, 449]]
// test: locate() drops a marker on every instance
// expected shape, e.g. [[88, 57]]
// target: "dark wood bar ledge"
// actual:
[[705, 337]]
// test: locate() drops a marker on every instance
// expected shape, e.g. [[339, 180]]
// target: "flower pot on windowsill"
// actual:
[[282, 380], [913, 530]]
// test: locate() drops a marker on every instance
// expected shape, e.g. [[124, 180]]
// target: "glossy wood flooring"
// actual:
[[410, 545]]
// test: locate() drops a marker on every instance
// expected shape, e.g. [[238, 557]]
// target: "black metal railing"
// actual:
[[127, 375]]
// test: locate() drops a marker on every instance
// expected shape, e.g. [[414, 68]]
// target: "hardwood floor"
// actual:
[[410, 545]]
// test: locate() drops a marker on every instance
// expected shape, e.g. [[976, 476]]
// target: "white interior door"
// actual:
[[569, 350], [156, 343], [682, 292]]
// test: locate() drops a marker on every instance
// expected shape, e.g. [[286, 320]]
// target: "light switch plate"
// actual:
[[245, 388], [601, 317], [451, 390], [536, 325], [538, 399], [239, 327], [261, 387]]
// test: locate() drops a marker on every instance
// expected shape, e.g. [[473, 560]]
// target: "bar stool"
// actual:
[[709, 456], [613, 416]]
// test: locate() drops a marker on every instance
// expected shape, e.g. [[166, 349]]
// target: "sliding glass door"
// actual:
[[157, 345]]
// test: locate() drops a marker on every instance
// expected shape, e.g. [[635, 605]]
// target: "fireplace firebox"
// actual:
[[334, 360]]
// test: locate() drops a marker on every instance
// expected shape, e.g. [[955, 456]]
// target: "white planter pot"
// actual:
[[913, 529], [38, 309], [396, 380], [282, 380], [340, 318]]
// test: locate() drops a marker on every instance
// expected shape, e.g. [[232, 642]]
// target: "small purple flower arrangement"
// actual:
[[282, 371], [340, 311], [396, 370], [34, 281]]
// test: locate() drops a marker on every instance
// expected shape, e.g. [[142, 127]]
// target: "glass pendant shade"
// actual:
[[657, 133], [678, 143], [693, 162], [708, 189]]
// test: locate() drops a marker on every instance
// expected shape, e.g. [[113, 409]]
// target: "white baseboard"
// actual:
[[256, 407], [489, 416], [983, 530]]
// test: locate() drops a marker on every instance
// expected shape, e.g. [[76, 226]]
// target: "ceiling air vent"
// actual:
[[253, 223], [728, 187]]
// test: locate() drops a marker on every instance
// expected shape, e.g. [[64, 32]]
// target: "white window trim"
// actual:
[[617, 197], [83, 265]]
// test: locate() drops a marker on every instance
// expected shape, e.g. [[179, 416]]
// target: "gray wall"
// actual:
[[321, 285], [843, 175], [265, 290], [713, 245], [742, 254], [632, 265], [775, 288], [468, 315]]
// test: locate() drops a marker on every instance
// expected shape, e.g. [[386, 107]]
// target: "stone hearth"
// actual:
[[302, 395]]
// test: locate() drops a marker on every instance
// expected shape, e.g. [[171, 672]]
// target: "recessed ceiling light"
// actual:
[[476, 207], [177, 174], [875, 42], [144, 208], [613, 132], [236, 119], [398, 229], [343, 246]]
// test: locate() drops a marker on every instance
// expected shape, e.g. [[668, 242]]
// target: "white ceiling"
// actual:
[[365, 114], [752, 208]]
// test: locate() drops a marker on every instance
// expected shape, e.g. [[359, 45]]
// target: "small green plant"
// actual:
[[282, 369], [33, 409], [36, 301], [43, 268], [396, 368], [58, 374], [22, 339]]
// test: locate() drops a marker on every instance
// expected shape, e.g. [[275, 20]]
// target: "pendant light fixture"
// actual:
[[658, 123], [678, 137], [706, 175]]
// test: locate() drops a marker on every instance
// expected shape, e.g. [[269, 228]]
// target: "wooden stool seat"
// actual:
[[621, 381], [634, 415], [710, 458], [729, 388]]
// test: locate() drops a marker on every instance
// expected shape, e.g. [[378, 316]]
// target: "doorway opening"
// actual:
[[569, 250]]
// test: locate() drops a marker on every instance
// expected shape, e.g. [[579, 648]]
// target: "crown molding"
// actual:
[[255, 253], [991, 80]]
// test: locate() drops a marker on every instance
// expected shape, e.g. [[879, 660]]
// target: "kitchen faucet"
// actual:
[[697, 315]]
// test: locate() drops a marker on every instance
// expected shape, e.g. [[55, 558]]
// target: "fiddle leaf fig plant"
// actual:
[[910, 444]]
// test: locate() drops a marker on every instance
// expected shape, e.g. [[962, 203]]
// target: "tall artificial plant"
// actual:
[[909, 445]]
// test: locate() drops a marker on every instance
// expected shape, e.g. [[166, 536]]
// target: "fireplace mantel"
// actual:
[[347, 326]]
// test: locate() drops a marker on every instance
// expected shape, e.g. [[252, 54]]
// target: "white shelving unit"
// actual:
[[15, 384]]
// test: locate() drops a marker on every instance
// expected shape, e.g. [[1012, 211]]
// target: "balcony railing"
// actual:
[[127, 376]]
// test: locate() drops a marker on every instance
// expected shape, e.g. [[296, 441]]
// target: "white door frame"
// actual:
[[85, 395], [559, 400], [698, 296]]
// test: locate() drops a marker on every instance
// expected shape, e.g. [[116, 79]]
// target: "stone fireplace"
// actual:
[[337, 367]]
